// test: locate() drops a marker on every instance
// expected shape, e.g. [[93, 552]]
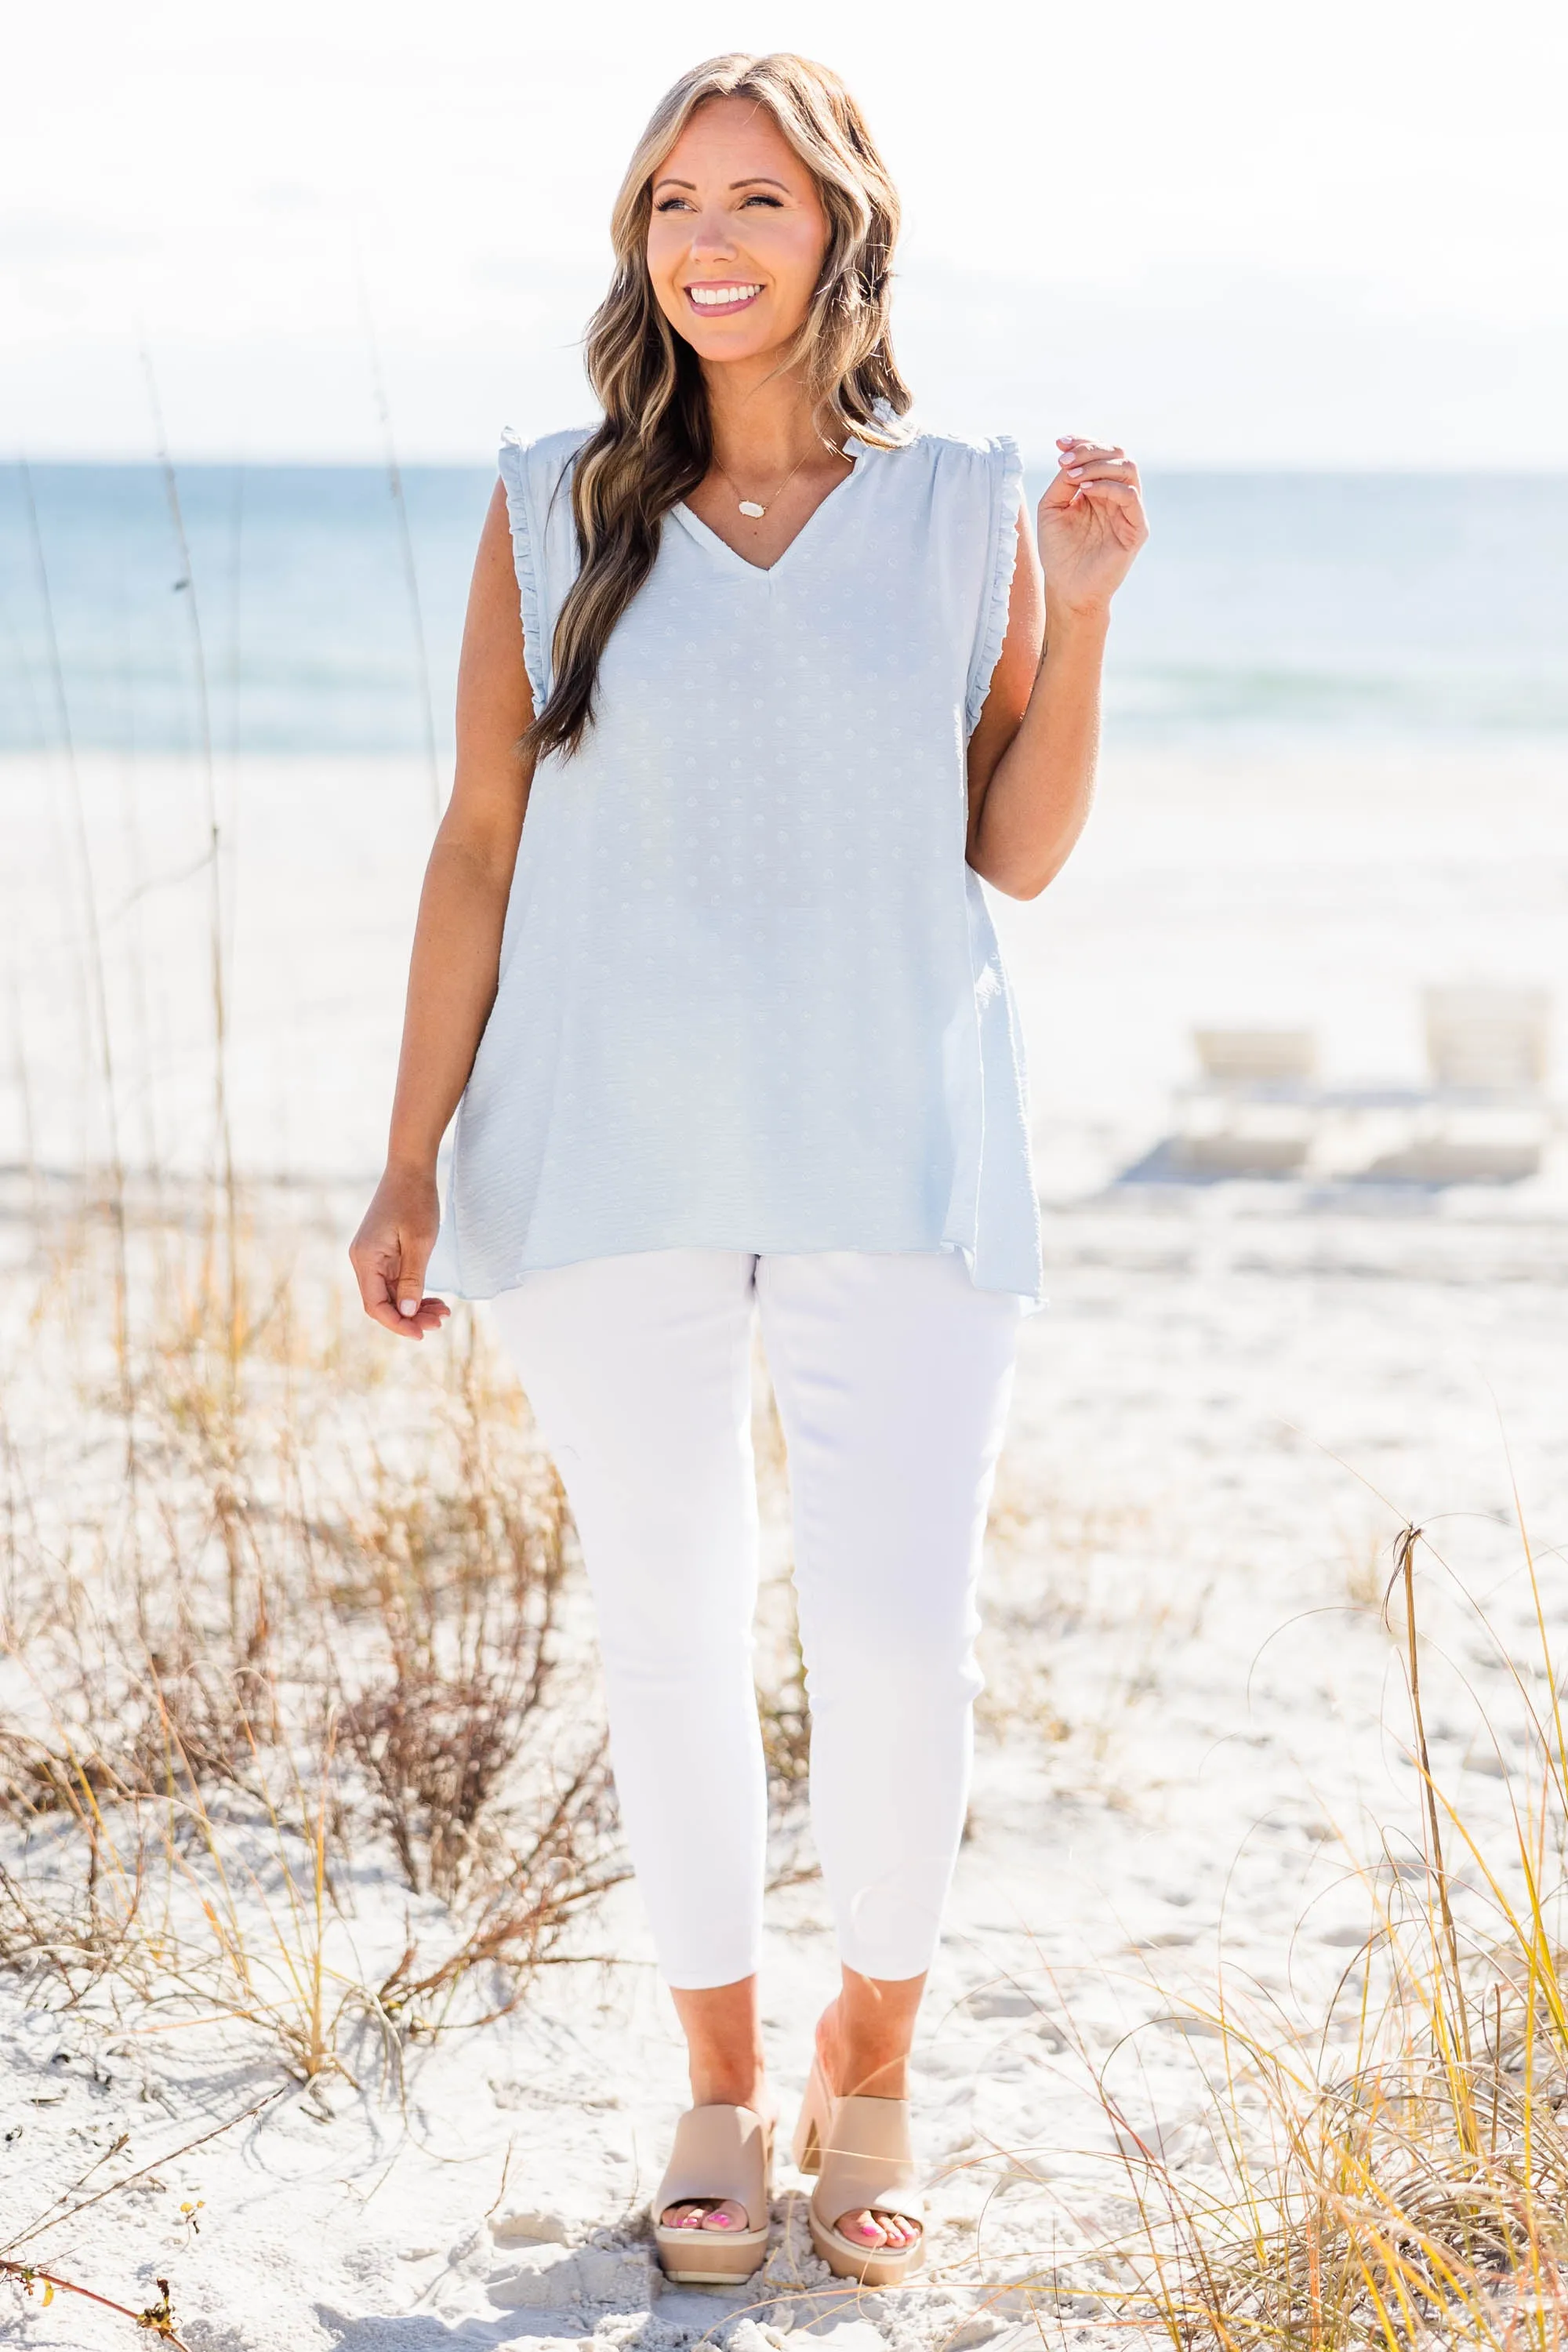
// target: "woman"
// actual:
[[730, 1035]]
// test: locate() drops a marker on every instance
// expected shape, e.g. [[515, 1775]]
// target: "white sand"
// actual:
[[1194, 1722], [1318, 884]]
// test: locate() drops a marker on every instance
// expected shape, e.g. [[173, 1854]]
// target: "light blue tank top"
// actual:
[[751, 997]]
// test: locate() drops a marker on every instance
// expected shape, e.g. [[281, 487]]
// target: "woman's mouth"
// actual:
[[723, 301]]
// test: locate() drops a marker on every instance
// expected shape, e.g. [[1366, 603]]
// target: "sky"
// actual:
[[1237, 233]]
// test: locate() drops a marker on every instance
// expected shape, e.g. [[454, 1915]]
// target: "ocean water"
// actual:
[[1277, 605]]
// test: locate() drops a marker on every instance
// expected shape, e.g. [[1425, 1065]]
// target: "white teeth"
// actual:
[[711, 296]]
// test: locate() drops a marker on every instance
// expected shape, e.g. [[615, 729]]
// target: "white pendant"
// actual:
[[750, 507]]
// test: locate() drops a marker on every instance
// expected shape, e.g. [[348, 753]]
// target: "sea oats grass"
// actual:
[[321, 1623], [1392, 2173]]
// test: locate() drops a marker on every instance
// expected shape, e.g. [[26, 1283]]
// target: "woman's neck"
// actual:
[[761, 421]]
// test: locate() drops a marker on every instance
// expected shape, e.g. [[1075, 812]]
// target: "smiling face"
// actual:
[[738, 232]]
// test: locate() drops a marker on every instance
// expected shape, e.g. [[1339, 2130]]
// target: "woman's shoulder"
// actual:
[[961, 452], [539, 464], [963, 470], [544, 538], [973, 480]]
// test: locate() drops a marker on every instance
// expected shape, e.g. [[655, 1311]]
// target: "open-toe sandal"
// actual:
[[721, 2155], [859, 2150]]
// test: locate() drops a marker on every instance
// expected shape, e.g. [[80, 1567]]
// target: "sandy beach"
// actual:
[[1286, 881], [1193, 1793]]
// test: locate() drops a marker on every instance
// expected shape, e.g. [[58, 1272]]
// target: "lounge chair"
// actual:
[[1485, 1119], [1250, 1113]]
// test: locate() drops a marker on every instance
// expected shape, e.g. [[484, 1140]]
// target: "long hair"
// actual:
[[656, 441]]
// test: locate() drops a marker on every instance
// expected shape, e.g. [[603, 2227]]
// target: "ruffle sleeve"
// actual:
[[535, 644], [1006, 469]]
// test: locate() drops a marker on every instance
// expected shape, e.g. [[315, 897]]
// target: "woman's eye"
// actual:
[[669, 203], [773, 201]]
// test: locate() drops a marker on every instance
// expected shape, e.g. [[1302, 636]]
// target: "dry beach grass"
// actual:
[[1400, 2174], [270, 1592], [278, 1599]]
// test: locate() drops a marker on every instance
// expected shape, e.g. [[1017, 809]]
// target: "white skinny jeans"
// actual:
[[892, 1375]]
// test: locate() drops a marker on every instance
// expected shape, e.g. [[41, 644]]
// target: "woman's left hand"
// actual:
[[1091, 525]]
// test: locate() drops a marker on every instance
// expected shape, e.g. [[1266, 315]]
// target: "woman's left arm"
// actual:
[[1031, 757]]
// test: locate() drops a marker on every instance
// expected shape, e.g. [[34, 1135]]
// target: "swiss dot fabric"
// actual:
[[751, 997]]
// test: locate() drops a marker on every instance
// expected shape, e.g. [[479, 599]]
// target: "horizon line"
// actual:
[[1307, 467]]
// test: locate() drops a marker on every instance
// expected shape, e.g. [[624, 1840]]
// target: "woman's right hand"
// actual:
[[391, 1251]]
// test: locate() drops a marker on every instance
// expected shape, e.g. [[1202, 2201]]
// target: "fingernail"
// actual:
[[408, 1306], [1075, 471]]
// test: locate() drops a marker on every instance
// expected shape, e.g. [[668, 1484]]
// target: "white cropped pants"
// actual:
[[892, 1375]]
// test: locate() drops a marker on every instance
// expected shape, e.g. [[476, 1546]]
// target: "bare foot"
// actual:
[[706, 2213]]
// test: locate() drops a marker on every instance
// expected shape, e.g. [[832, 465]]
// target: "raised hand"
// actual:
[[1091, 524]]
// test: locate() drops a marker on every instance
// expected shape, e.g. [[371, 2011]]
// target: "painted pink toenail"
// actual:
[[719, 2221]]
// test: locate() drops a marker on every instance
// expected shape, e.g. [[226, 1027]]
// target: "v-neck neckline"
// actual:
[[707, 536]]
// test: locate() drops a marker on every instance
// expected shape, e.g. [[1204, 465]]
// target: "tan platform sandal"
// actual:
[[722, 2155], [859, 2150]]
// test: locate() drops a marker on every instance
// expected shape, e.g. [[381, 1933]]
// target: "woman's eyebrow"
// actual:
[[752, 180]]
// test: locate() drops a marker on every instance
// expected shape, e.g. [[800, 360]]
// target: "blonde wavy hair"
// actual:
[[656, 441]]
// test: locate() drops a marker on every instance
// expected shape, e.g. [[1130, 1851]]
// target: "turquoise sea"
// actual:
[[1373, 604]]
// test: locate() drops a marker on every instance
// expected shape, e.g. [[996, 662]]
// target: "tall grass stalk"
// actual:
[[96, 965], [216, 936], [405, 540], [1458, 2058]]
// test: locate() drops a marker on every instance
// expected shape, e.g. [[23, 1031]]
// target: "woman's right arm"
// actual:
[[457, 941]]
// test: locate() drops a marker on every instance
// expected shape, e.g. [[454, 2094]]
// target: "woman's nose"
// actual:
[[711, 236]]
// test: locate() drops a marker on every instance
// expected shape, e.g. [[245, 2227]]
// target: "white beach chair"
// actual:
[[1251, 1112], [1488, 1040], [1486, 1119]]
